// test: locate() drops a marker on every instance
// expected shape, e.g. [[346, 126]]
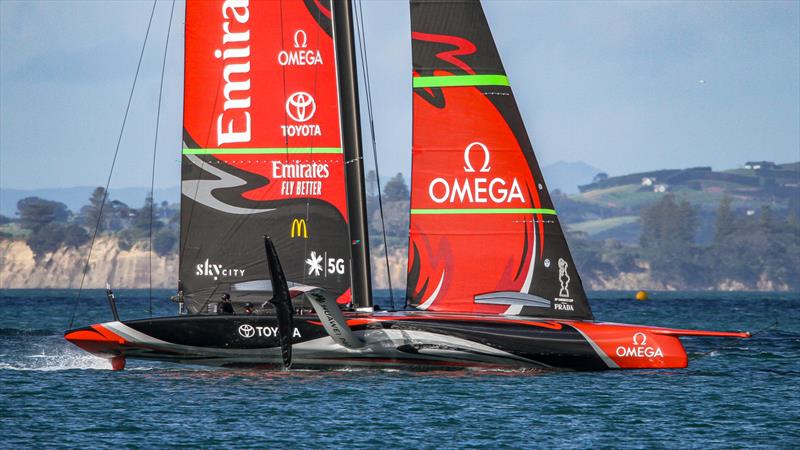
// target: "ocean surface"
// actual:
[[735, 393]]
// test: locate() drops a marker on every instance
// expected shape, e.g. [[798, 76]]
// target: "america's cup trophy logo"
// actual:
[[301, 106], [563, 278]]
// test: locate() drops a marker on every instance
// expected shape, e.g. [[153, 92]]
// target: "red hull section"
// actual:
[[638, 347]]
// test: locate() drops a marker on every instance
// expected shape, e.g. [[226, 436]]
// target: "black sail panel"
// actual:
[[484, 235]]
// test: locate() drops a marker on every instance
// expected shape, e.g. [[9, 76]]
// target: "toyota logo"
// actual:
[[300, 106], [247, 331]]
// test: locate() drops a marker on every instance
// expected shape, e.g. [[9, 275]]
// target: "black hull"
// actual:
[[407, 339]]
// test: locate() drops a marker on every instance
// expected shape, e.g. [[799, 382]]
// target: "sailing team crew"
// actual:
[[225, 306]]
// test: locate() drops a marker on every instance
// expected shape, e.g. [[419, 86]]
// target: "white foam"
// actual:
[[59, 359]]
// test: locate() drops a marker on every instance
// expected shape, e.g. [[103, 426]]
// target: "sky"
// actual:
[[622, 86]]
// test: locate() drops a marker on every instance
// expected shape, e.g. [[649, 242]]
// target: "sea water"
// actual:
[[735, 393]]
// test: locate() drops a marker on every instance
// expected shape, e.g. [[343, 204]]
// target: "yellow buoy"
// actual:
[[641, 295]]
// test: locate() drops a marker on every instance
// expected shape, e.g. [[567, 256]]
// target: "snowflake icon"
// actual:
[[314, 264]]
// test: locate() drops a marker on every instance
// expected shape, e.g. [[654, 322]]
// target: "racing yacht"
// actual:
[[273, 210]]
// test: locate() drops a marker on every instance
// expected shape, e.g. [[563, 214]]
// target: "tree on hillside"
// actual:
[[75, 236], [773, 238], [667, 241], [145, 215], [726, 250], [396, 189], [793, 207], [35, 213], [163, 210], [752, 249], [91, 212], [54, 235], [725, 225], [165, 242], [119, 215], [372, 183]]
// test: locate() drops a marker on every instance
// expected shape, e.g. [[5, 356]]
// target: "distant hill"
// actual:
[[757, 179], [610, 207], [567, 176], [76, 197]]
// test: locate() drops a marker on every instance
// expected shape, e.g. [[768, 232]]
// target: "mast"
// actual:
[[353, 154]]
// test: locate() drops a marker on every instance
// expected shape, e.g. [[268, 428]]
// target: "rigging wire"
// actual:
[[362, 44], [153, 168], [317, 69], [111, 172]]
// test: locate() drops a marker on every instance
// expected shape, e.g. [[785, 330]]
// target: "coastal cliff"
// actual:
[[64, 267], [19, 269]]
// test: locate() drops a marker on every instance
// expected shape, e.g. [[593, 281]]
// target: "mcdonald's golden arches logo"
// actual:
[[299, 228]]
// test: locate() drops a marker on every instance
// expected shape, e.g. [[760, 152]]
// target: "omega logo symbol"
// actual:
[[300, 39], [475, 189], [247, 331], [639, 349], [468, 164], [301, 106]]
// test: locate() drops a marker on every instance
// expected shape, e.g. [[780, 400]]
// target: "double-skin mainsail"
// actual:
[[263, 152]]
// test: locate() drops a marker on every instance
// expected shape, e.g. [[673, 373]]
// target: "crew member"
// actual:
[[248, 308], [225, 306]]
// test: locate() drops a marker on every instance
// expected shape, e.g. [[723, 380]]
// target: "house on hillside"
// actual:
[[759, 165]]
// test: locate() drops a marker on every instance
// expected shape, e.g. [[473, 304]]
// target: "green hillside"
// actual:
[[605, 208]]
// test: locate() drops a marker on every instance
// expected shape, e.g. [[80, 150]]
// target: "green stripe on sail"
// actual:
[[262, 151], [460, 80], [550, 212]]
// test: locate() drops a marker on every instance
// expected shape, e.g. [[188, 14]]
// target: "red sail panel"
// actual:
[[484, 235], [262, 77], [262, 147]]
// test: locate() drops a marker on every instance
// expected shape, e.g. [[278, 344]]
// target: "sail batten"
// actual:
[[482, 224]]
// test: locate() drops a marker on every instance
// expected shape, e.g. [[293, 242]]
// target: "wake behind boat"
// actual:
[[272, 147]]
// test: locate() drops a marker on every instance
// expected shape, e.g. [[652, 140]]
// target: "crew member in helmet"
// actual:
[[225, 306]]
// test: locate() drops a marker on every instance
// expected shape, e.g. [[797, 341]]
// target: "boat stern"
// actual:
[[640, 347]]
